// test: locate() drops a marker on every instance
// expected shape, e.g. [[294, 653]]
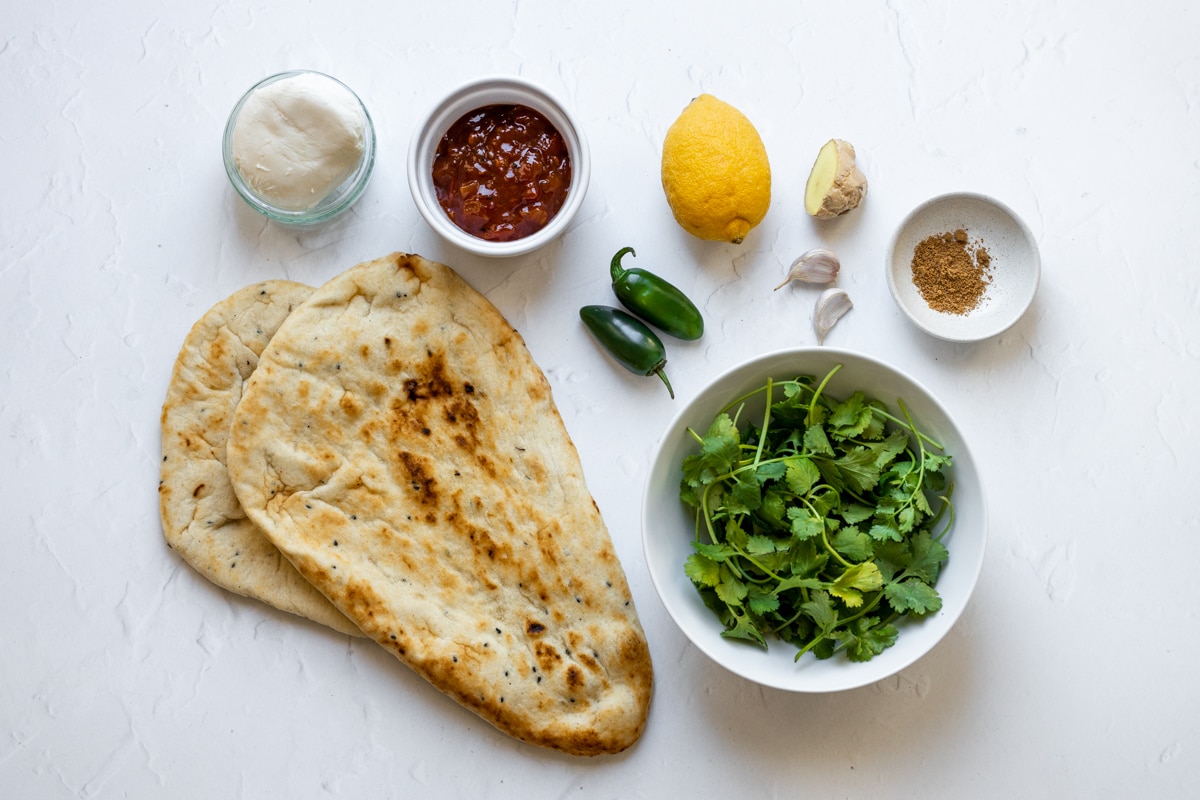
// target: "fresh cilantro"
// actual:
[[853, 544], [866, 637], [702, 571], [913, 595], [816, 524], [850, 585]]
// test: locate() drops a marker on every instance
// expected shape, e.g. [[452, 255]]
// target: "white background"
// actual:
[[125, 674]]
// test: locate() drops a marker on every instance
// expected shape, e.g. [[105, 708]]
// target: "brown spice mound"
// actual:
[[951, 272]]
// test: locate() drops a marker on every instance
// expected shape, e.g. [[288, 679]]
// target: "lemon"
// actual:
[[715, 171]]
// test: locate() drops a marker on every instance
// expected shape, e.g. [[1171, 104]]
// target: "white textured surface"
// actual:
[[123, 674]]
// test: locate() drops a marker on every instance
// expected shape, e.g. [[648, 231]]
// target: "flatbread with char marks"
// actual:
[[400, 445], [202, 519]]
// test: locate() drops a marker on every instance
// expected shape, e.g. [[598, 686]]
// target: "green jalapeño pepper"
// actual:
[[655, 300], [630, 342]]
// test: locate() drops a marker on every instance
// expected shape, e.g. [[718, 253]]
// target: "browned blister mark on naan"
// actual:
[[418, 474], [351, 405]]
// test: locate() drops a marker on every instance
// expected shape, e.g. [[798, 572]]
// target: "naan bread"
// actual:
[[399, 444], [201, 517]]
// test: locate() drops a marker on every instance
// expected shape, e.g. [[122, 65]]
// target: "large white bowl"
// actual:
[[477, 94], [668, 526]]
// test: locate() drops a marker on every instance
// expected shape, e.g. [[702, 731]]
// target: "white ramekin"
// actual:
[[477, 94]]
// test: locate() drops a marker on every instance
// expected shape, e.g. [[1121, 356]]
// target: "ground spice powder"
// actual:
[[951, 271]]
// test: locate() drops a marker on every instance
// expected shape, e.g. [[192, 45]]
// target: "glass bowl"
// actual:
[[337, 200]]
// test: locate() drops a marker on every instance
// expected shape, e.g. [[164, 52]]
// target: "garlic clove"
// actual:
[[815, 266], [831, 306]]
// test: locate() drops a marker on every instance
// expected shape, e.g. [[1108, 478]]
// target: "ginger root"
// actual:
[[835, 184]]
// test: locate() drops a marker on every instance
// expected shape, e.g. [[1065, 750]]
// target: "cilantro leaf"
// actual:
[[798, 582], [718, 453], [772, 508], [821, 611], [758, 545], [928, 555], [731, 589], [806, 559], [865, 638], [801, 475], [745, 496], [805, 525], [852, 544], [735, 535], [761, 602], [850, 585], [889, 448], [716, 551], [744, 628], [935, 462], [858, 469], [770, 471], [702, 570], [816, 441], [892, 557], [913, 595], [824, 649], [854, 513], [885, 531], [921, 503], [851, 417]]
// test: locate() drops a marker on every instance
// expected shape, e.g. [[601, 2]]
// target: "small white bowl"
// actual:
[[477, 94], [668, 526], [1015, 266]]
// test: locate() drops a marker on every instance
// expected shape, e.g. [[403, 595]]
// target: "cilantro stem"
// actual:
[[811, 644], [912, 426], [770, 573], [946, 504], [920, 435], [829, 547], [812, 404], [762, 434], [866, 609], [824, 532], [790, 620], [712, 536], [760, 390]]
